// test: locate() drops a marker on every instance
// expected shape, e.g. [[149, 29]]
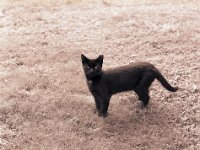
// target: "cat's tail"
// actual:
[[164, 82]]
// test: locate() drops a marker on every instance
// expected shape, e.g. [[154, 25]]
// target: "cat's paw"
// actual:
[[144, 106], [104, 115], [99, 114]]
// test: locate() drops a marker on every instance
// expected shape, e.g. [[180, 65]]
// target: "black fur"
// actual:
[[103, 84]]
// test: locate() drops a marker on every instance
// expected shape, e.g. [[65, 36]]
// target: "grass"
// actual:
[[44, 99], [106, 2]]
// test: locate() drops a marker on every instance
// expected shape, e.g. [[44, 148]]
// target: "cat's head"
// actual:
[[92, 67]]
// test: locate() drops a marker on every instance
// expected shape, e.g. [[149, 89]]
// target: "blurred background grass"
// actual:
[[86, 2]]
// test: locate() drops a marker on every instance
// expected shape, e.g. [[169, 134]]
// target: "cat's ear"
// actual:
[[100, 59], [84, 59]]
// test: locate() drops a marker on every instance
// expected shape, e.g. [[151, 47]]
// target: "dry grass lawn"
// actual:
[[44, 100]]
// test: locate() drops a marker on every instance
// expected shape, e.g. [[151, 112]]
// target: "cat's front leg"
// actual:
[[97, 104], [104, 108]]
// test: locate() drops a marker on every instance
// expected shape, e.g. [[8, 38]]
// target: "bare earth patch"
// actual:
[[44, 101]]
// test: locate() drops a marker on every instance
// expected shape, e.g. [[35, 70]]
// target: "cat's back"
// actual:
[[132, 67]]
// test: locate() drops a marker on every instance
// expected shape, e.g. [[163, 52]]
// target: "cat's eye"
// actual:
[[96, 67], [87, 67]]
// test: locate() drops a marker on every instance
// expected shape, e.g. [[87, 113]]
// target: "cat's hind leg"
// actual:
[[142, 89], [143, 95], [145, 99]]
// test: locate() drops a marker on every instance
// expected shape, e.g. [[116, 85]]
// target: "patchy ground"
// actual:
[[44, 101]]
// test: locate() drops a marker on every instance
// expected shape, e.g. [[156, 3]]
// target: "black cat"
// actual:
[[103, 84]]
